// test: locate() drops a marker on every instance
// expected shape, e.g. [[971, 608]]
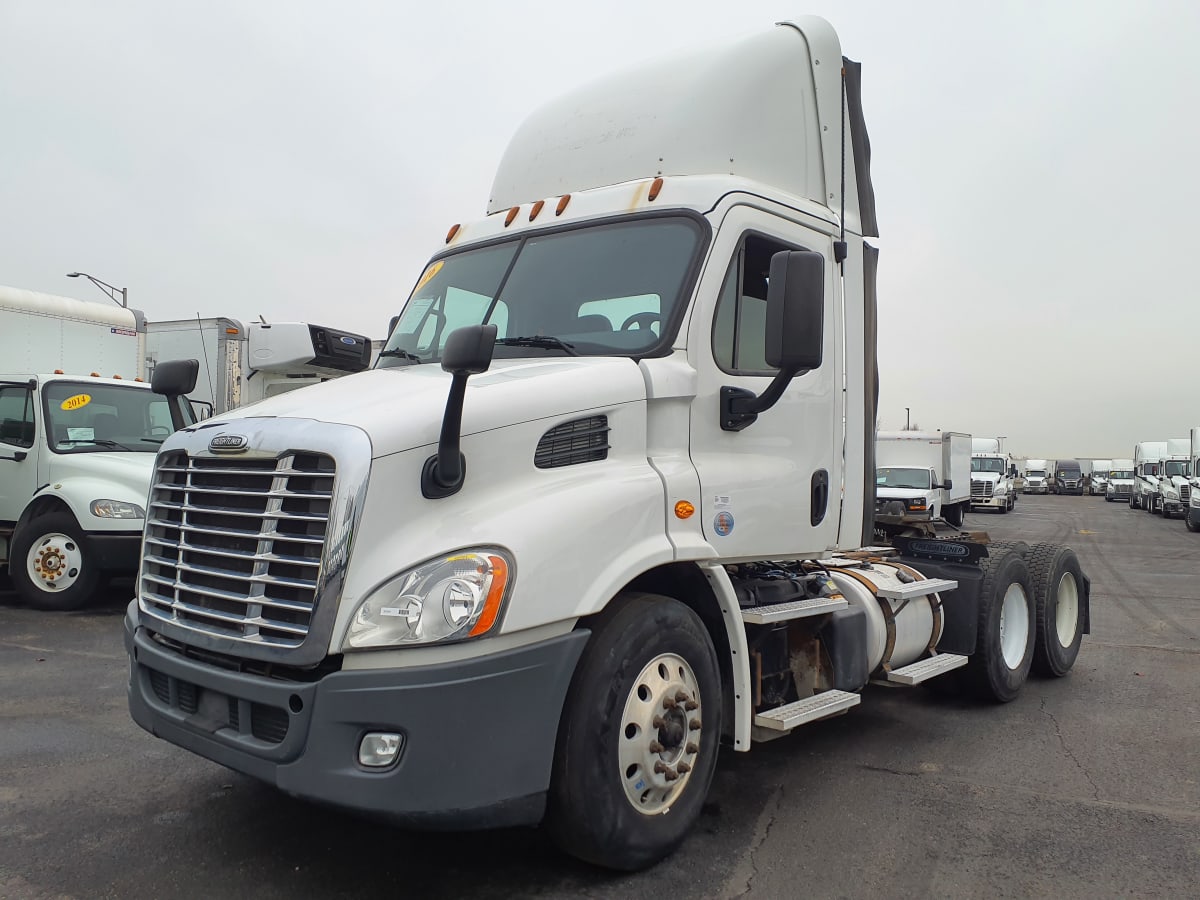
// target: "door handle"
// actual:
[[820, 496]]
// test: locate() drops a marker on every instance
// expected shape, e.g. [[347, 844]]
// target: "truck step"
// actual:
[[917, 588], [795, 609], [924, 669], [819, 706]]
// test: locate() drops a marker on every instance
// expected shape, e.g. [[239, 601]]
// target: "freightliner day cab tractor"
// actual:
[[78, 434], [599, 507], [1036, 475], [1098, 478], [1174, 489], [992, 476], [1147, 467], [1119, 484], [1191, 512]]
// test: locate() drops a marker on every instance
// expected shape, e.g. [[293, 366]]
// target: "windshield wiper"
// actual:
[[402, 354], [546, 343], [98, 442]]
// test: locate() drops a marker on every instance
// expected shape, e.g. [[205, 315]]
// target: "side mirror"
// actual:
[[468, 352], [174, 379], [795, 333], [392, 323], [946, 485]]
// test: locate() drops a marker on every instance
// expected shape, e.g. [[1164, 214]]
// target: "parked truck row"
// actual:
[[607, 499]]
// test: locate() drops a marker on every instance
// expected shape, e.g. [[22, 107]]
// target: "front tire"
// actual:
[[637, 744], [1004, 648], [1187, 520], [51, 563], [1058, 589]]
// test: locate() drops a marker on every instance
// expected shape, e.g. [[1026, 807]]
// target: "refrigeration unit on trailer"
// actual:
[[1036, 477], [1174, 489], [604, 503], [78, 433], [921, 476], [1147, 467], [244, 363]]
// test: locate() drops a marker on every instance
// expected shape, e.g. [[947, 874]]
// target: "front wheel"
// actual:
[[1004, 648], [51, 563], [1187, 520], [637, 744], [1058, 589]]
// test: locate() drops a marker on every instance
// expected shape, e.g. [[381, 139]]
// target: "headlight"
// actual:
[[916, 504], [117, 509], [448, 599], [1170, 492], [1000, 490]]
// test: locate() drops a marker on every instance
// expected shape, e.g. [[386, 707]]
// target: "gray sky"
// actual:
[[1035, 168]]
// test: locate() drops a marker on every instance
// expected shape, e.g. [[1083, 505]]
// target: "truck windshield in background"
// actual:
[[84, 417], [987, 464], [603, 290], [1121, 474], [902, 478], [1176, 467]]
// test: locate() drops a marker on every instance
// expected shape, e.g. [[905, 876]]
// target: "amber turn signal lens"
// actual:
[[491, 606], [451, 233], [656, 188], [684, 510], [562, 204], [537, 208]]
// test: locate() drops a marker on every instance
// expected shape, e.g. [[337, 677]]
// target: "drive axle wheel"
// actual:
[[637, 743], [51, 566], [1004, 647], [1187, 520], [1058, 589]]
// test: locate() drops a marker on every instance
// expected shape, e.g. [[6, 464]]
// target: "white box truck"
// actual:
[[78, 434], [1119, 482], [1036, 477], [921, 476], [1191, 515], [1174, 489], [1147, 467], [601, 505], [244, 363]]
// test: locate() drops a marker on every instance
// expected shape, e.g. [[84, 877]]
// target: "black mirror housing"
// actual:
[[469, 349], [175, 377], [948, 484], [796, 311]]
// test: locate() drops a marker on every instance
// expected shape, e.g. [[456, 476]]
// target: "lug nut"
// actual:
[[694, 725], [658, 722], [683, 768], [682, 697], [661, 768], [691, 705], [656, 747], [668, 703], [692, 748]]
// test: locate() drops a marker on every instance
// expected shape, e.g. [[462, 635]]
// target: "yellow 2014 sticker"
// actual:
[[78, 401], [433, 269]]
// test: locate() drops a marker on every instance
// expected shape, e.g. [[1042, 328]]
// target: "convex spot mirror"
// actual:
[[796, 311]]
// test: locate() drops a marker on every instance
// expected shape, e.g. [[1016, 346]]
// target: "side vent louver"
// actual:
[[571, 443]]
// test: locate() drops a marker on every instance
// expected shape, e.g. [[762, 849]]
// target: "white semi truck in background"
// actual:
[[78, 434], [1119, 484], [993, 476], [244, 363], [1036, 477], [1191, 515], [604, 503], [1147, 466], [1097, 478], [921, 476], [1174, 489]]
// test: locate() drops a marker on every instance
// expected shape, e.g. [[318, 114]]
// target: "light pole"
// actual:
[[106, 287], [907, 418]]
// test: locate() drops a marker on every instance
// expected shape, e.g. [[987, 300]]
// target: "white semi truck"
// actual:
[[1097, 478], [78, 434], [1036, 477], [1147, 467], [993, 476], [1191, 514], [1119, 484], [244, 363], [604, 503], [1174, 489], [922, 476]]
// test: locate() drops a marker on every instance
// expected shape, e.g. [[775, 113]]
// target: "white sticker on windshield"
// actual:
[[81, 434]]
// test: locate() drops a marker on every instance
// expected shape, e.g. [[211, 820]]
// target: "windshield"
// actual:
[[1176, 467], [1126, 474], [987, 464], [902, 478], [1149, 468], [1036, 473], [1068, 471], [603, 290], [85, 417]]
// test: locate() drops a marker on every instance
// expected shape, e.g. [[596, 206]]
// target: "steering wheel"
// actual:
[[642, 320]]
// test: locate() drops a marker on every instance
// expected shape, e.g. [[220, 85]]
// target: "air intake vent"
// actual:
[[571, 443]]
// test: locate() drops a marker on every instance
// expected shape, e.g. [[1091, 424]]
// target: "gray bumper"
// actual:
[[478, 734]]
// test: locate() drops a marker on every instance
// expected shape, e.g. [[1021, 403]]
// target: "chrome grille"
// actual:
[[981, 489], [233, 545], [1185, 492]]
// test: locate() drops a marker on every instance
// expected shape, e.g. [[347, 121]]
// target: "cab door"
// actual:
[[772, 489], [18, 435]]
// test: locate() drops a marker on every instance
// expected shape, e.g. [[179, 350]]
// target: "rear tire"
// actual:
[[954, 514], [1058, 590], [1187, 520], [611, 802], [1004, 647]]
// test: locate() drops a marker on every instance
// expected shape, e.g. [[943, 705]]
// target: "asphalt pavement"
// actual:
[[1085, 786]]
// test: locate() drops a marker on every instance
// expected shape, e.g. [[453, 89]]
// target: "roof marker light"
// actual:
[[655, 188], [512, 214], [537, 208], [452, 232], [562, 204]]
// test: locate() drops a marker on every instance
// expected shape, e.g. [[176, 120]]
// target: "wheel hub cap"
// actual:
[[54, 562]]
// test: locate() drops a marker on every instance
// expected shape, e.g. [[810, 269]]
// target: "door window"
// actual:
[[740, 325], [16, 416]]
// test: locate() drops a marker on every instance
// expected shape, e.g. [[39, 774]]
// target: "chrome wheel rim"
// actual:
[[54, 562], [660, 734], [1014, 625]]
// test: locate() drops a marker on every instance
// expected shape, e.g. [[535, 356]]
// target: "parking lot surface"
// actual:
[[1086, 786]]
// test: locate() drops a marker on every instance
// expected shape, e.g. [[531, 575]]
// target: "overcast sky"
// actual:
[[1036, 165]]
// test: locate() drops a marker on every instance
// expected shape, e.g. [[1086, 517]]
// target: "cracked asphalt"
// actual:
[[1086, 786]]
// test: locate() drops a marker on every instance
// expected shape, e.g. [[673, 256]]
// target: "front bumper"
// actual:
[[1034, 489], [479, 734], [1171, 507], [996, 500]]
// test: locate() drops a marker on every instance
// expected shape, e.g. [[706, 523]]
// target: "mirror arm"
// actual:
[[740, 407], [444, 473]]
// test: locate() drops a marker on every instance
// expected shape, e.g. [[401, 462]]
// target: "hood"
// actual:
[[897, 493], [131, 471], [402, 408], [991, 477]]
